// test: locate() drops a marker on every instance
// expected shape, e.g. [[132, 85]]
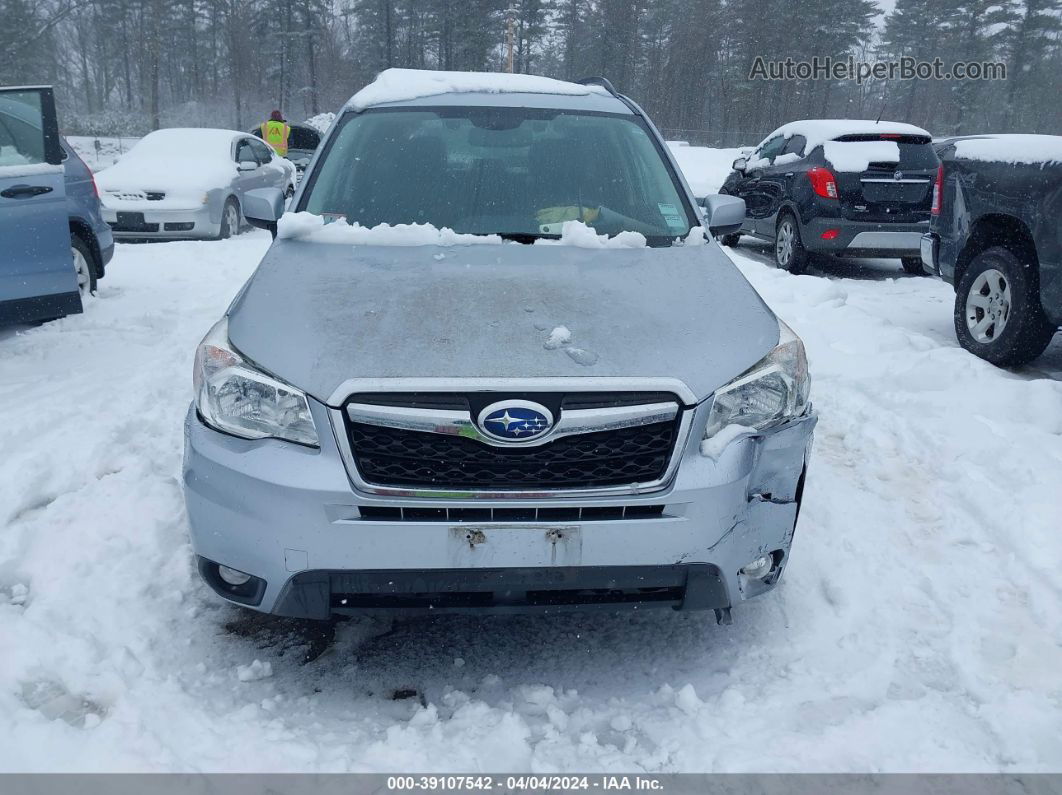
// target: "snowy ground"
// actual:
[[919, 626], [110, 149]]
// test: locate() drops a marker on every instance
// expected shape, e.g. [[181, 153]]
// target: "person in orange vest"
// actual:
[[275, 132]]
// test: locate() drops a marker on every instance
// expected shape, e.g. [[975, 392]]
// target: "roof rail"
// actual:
[[599, 81]]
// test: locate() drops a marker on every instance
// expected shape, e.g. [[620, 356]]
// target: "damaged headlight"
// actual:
[[772, 391], [234, 397]]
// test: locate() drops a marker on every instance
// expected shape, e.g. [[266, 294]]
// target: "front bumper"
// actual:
[[864, 238], [290, 516], [140, 222]]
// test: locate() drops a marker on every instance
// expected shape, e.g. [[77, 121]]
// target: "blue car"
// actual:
[[91, 241], [55, 243]]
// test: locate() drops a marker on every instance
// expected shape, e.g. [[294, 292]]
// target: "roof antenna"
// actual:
[[884, 102]]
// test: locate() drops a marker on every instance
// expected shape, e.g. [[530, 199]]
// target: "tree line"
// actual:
[[127, 66]]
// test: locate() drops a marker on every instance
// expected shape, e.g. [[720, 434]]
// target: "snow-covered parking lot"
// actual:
[[919, 627]]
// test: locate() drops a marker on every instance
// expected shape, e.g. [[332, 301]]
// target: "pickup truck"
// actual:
[[995, 235]]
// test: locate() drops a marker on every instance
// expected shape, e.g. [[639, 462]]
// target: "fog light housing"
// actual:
[[758, 568], [233, 584], [232, 576]]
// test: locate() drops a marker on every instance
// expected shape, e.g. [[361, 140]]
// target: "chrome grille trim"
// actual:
[[460, 423]]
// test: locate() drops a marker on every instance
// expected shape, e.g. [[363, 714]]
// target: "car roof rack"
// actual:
[[599, 81]]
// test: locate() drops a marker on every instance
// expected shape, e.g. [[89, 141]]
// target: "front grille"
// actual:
[[575, 513], [413, 459]]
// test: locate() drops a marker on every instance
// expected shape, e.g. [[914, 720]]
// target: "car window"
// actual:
[[512, 171], [20, 132], [244, 153], [771, 149], [916, 151], [261, 151], [795, 145]]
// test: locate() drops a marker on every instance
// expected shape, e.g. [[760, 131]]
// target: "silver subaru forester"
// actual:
[[568, 397]]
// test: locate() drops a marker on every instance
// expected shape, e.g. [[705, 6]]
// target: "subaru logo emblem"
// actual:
[[515, 420], [898, 176]]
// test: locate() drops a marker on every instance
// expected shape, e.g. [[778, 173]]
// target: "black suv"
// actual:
[[838, 186], [995, 236]]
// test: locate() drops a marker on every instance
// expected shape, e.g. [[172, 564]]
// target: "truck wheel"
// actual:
[[998, 315], [730, 241], [913, 266], [230, 219], [84, 265], [789, 252]]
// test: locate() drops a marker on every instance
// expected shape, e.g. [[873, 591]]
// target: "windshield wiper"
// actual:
[[525, 237]]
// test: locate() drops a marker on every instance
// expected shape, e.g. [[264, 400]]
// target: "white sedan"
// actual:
[[189, 183]]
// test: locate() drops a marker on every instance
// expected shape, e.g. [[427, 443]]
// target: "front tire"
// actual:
[[789, 252], [84, 265], [998, 315], [913, 266], [230, 219]]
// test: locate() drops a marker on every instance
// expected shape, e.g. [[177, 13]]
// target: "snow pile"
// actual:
[[561, 335], [1016, 149], [819, 131], [398, 85], [714, 446], [856, 156], [321, 122], [578, 234], [254, 672], [307, 226], [705, 169], [182, 163]]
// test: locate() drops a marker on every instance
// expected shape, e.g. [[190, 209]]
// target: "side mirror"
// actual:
[[724, 214], [262, 207], [739, 164], [246, 165]]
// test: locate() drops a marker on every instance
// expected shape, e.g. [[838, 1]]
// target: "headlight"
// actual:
[[773, 390], [234, 397]]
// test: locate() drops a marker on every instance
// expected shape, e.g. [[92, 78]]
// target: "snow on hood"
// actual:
[[315, 228], [1017, 149], [186, 162], [856, 156], [318, 315], [399, 85], [819, 131]]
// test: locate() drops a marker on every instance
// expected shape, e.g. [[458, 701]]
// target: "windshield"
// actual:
[[517, 172]]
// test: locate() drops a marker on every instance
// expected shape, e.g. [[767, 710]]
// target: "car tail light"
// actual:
[[831, 234], [938, 191], [92, 175], [823, 183]]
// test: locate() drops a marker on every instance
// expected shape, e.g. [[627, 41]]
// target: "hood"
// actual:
[[319, 314]]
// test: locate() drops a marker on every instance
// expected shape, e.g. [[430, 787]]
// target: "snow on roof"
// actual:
[[1011, 148], [185, 140], [819, 131], [399, 85]]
